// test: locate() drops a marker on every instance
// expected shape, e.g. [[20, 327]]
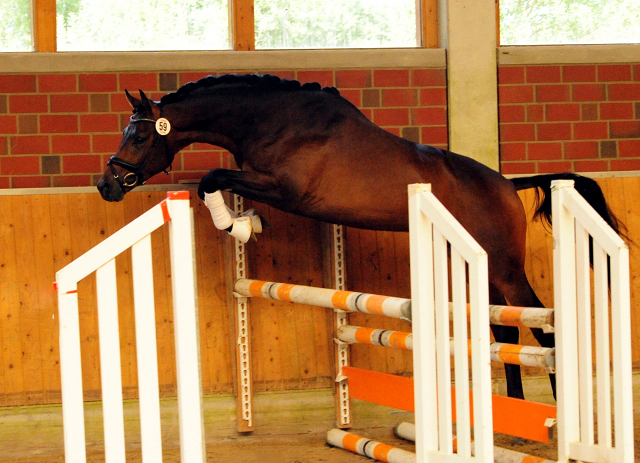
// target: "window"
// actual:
[[134, 25], [121, 25], [15, 26], [325, 24], [542, 22]]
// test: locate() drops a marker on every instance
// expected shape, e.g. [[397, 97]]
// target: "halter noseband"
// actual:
[[135, 170]]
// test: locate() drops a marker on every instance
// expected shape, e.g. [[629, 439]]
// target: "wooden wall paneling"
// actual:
[[29, 302], [362, 265], [212, 301], [126, 212], [61, 256], [205, 260], [302, 355], [262, 258], [115, 220], [162, 293], [44, 278], [387, 360], [632, 192], [12, 372], [321, 318], [403, 289], [284, 337], [81, 219], [622, 194]]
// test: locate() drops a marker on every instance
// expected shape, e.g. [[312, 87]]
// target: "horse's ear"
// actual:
[[146, 102], [133, 101]]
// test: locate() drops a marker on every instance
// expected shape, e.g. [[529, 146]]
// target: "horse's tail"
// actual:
[[587, 187]]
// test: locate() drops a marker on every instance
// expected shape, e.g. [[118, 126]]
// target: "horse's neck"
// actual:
[[215, 119]]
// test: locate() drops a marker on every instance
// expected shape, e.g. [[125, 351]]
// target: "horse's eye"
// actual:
[[138, 140]]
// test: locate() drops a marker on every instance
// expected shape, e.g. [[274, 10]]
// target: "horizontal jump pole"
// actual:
[[396, 307], [368, 447], [515, 354], [350, 301], [514, 417], [407, 431]]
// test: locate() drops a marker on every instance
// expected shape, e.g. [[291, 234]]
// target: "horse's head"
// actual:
[[144, 150]]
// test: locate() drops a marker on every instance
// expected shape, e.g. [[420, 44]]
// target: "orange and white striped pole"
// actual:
[[324, 297], [369, 448], [516, 354], [407, 431], [397, 307]]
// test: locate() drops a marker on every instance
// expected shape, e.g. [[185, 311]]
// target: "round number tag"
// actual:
[[163, 127]]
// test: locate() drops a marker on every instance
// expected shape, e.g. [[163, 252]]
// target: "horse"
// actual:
[[306, 150]]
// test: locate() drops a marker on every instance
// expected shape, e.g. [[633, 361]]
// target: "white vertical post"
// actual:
[[621, 350], [101, 260], [461, 353], [575, 411], [146, 349], [71, 372], [564, 262], [442, 335], [191, 419], [422, 297], [110, 366], [603, 353], [585, 351], [480, 360], [431, 227]]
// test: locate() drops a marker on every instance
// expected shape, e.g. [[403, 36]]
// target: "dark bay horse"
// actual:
[[306, 150]]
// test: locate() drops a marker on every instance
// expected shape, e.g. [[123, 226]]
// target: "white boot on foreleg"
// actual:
[[240, 228]]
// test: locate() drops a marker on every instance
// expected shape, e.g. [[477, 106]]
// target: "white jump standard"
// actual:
[[136, 235]]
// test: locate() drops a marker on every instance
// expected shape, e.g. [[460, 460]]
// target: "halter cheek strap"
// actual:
[[135, 170]]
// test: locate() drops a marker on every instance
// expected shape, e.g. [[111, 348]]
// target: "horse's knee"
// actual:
[[210, 183]]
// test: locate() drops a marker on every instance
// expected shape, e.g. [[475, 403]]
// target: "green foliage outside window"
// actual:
[[15, 26], [539, 22], [324, 24], [134, 25], [124, 25]]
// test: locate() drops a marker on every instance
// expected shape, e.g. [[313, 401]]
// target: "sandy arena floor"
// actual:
[[289, 428]]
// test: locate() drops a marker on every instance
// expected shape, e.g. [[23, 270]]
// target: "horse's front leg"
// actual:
[[251, 185]]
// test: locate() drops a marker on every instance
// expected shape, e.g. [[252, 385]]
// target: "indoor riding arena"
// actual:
[[134, 328]]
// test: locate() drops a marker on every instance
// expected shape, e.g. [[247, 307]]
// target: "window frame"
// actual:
[[242, 25]]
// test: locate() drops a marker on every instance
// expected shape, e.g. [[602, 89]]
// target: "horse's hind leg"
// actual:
[[520, 293], [510, 335], [546, 340]]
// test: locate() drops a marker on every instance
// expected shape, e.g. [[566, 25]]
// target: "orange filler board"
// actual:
[[514, 417]]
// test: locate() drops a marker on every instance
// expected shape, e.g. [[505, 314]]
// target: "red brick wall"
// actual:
[[60, 129], [581, 118]]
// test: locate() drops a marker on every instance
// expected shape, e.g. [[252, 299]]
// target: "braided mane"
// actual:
[[246, 80]]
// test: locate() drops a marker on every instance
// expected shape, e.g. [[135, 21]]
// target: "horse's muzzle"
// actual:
[[110, 191]]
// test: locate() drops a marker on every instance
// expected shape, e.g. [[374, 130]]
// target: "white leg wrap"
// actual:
[[219, 213], [222, 219]]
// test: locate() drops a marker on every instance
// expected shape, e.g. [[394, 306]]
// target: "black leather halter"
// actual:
[[132, 178]]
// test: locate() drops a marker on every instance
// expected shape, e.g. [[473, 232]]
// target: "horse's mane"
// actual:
[[266, 81]]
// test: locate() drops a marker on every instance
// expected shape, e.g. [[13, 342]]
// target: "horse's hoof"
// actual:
[[516, 441], [257, 221], [242, 229]]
